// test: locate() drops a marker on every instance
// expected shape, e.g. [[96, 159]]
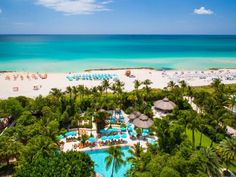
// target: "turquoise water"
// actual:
[[98, 156], [61, 53]]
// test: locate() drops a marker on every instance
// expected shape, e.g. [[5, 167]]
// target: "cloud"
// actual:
[[75, 7], [203, 11]]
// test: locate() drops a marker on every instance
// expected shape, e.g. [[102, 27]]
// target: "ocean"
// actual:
[[63, 53]]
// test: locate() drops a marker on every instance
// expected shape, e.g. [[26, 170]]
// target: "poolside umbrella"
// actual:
[[130, 128], [129, 124], [117, 136], [109, 130], [91, 139], [102, 131], [145, 130], [123, 129], [143, 122], [123, 136], [133, 133], [164, 105], [70, 134], [114, 129], [144, 134], [111, 137], [104, 138], [151, 141]]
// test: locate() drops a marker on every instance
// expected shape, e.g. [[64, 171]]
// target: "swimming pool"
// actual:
[[98, 156]]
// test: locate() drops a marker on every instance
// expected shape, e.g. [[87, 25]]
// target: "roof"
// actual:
[[143, 121], [134, 115], [164, 104]]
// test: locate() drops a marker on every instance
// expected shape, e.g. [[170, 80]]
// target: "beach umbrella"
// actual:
[[111, 137], [164, 105], [129, 124], [123, 129], [145, 130], [109, 130], [151, 141], [70, 134], [91, 139], [130, 128], [143, 122], [144, 134], [102, 131], [104, 138], [123, 136], [133, 133], [114, 129], [117, 136]]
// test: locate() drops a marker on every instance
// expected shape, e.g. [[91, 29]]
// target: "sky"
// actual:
[[117, 16]]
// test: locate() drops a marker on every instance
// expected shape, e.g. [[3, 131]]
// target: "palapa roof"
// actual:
[[143, 121], [164, 104], [134, 115]]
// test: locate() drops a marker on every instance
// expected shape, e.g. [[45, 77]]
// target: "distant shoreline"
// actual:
[[122, 68]]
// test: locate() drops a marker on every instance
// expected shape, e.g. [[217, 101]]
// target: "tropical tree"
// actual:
[[56, 92], [114, 159], [105, 85], [136, 152], [210, 162], [63, 164], [227, 150], [171, 84], [137, 84], [147, 83], [183, 85]]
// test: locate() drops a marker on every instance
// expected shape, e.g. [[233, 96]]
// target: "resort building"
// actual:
[[163, 107]]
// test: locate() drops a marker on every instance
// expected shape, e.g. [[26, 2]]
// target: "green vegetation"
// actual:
[[187, 140]]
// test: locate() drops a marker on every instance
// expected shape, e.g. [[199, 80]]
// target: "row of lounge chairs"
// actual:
[[103, 76]]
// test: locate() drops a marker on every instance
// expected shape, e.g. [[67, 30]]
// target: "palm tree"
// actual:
[[136, 152], [227, 150], [114, 158], [56, 92], [192, 124], [171, 84], [137, 84], [183, 85], [105, 84], [147, 83], [210, 163], [232, 102]]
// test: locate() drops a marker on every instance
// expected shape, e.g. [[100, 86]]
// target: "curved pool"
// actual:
[[98, 156]]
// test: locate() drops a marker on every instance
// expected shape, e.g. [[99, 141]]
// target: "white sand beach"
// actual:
[[27, 85]]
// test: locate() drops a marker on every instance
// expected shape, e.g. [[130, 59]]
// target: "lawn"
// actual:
[[209, 89], [206, 141]]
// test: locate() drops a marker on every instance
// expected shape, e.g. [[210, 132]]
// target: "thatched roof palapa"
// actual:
[[143, 121], [134, 115], [165, 105]]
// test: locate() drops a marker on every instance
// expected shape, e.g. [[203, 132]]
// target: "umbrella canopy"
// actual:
[[110, 137], [104, 138], [145, 130], [123, 136], [70, 134], [109, 130], [91, 139], [134, 115], [123, 129], [143, 122], [102, 131], [60, 137], [165, 105], [133, 133], [117, 136], [144, 134], [130, 128], [151, 141], [114, 129]]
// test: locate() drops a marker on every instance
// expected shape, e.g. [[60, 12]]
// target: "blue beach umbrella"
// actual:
[[123, 136], [151, 141], [130, 128], [114, 129], [144, 134], [104, 138], [109, 130], [145, 130], [70, 134], [91, 139], [102, 131], [133, 133], [110, 137], [117, 136], [123, 129]]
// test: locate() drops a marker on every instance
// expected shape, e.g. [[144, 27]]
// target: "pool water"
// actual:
[[98, 156]]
